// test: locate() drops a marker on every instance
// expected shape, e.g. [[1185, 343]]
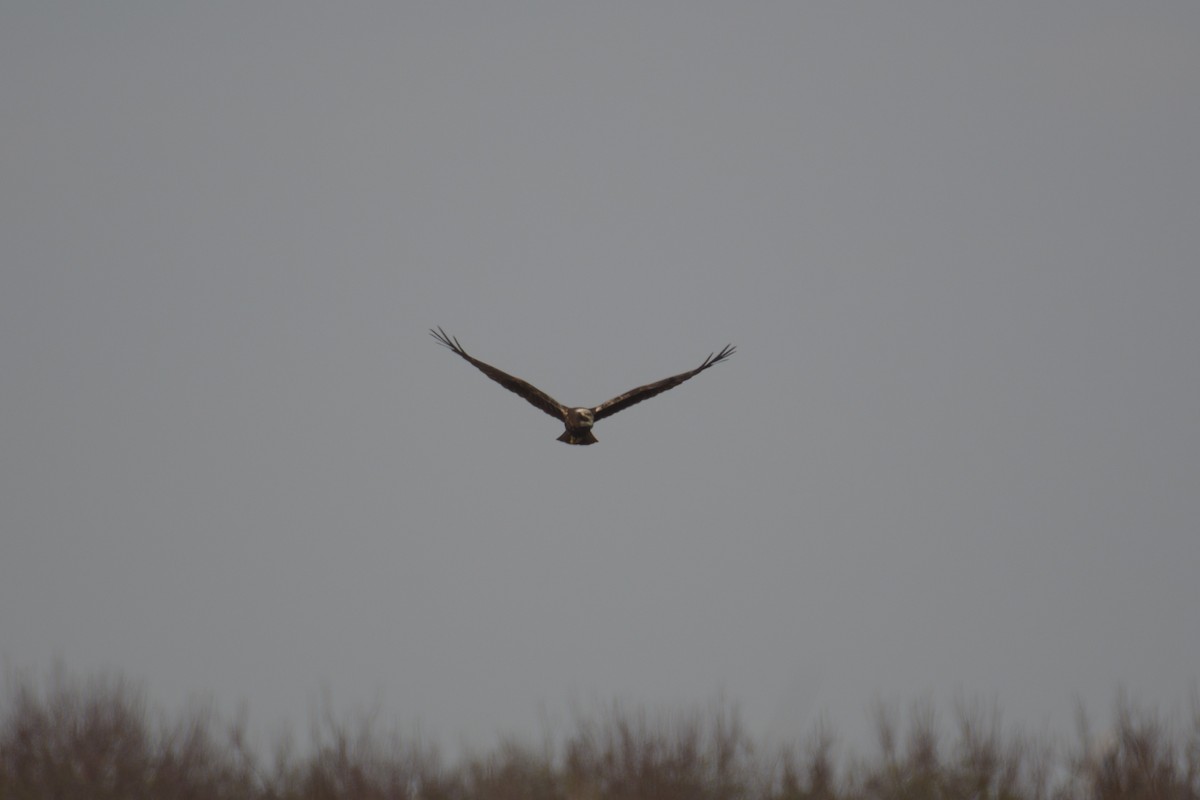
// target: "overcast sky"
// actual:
[[957, 452]]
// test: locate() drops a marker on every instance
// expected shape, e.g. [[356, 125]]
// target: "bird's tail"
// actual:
[[578, 437]]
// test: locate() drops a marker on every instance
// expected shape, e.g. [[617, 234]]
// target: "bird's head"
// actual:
[[586, 419]]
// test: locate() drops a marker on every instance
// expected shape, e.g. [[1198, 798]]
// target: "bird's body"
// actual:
[[578, 421]]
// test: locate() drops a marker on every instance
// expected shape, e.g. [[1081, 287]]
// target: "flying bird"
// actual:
[[578, 421]]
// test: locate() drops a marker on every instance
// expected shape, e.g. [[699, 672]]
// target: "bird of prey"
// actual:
[[578, 421]]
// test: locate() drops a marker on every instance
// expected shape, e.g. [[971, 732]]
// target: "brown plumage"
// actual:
[[578, 421]]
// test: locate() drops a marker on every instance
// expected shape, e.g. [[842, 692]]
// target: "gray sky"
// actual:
[[956, 453]]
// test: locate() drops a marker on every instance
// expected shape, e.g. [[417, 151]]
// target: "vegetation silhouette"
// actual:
[[94, 738]]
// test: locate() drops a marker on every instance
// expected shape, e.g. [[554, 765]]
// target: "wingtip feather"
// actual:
[[446, 340]]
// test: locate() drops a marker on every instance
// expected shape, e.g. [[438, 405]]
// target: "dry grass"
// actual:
[[95, 739]]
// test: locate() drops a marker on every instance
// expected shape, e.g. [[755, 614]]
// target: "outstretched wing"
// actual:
[[530, 392], [621, 402]]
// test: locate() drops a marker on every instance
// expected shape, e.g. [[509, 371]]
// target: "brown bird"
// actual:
[[578, 421]]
